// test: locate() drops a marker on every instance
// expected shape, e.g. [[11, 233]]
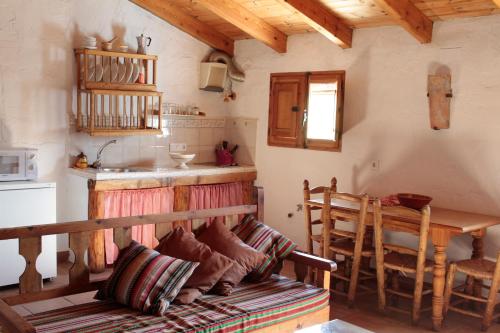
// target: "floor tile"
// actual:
[[81, 298], [21, 310], [51, 304]]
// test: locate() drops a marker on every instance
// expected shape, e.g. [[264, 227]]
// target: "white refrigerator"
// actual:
[[27, 203]]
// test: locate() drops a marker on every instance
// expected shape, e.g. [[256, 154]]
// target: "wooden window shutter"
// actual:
[[330, 77], [286, 109]]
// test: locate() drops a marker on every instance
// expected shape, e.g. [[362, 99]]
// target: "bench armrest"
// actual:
[[13, 322], [304, 261]]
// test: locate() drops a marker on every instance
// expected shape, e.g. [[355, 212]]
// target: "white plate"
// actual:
[[91, 73], [128, 73], [114, 72], [135, 74], [99, 71], [105, 74], [122, 69]]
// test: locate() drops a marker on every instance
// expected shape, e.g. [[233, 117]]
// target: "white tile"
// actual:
[[147, 141], [206, 136], [163, 158], [189, 136], [245, 155], [147, 155], [207, 154], [219, 134], [112, 155], [163, 140]]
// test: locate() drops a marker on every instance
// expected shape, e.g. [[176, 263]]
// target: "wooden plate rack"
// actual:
[[114, 112], [111, 104]]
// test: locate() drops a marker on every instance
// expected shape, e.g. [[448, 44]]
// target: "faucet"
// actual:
[[97, 164]]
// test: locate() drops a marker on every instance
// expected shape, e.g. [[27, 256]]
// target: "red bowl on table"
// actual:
[[415, 201]]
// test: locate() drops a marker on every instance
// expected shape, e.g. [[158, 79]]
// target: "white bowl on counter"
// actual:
[[182, 159]]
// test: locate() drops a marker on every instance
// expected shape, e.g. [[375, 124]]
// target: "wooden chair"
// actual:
[[479, 269], [347, 243], [308, 210], [402, 259]]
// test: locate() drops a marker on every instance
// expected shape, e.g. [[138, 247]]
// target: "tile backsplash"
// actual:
[[199, 134]]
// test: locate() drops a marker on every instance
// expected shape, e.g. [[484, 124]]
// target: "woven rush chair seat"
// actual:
[[396, 258], [346, 247], [405, 262], [481, 268], [476, 270]]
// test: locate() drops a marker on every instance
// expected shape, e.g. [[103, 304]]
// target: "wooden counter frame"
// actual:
[[80, 278], [181, 185]]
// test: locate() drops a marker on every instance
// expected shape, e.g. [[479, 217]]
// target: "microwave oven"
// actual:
[[18, 164]]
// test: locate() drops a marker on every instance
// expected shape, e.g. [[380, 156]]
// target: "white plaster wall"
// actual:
[[386, 119], [37, 74]]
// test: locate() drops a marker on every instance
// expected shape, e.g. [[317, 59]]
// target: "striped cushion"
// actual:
[[267, 240], [145, 280]]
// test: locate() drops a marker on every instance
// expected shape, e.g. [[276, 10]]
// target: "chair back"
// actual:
[[405, 220], [308, 192], [309, 207], [351, 208]]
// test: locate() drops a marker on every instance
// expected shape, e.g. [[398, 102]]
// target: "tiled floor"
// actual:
[[364, 314]]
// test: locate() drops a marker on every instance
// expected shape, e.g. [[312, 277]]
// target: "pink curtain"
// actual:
[[125, 203], [215, 196]]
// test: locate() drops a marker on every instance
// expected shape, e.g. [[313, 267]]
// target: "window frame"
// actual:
[[301, 140]]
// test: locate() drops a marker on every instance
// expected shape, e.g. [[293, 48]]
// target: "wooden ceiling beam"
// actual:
[[410, 18], [322, 19], [165, 10], [248, 22]]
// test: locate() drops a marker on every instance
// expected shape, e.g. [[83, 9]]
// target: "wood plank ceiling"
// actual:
[[219, 22]]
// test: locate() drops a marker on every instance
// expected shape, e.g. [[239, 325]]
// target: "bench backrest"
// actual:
[[79, 233]]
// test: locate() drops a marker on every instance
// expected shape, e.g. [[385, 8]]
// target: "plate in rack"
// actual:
[[135, 74], [122, 70], [114, 72], [106, 73], [128, 73], [99, 71]]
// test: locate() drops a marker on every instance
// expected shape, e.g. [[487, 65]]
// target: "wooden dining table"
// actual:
[[445, 224]]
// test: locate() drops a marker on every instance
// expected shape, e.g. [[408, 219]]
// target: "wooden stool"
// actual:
[[402, 259], [349, 244], [480, 269]]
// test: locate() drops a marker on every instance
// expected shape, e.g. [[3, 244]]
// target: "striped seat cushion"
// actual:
[[145, 280], [264, 239], [251, 306]]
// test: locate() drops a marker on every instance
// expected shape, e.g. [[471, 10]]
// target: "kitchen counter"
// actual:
[[159, 173], [88, 187]]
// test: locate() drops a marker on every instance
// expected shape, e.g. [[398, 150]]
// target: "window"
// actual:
[[305, 110]]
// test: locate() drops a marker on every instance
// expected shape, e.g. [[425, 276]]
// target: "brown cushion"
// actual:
[[183, 245], [187, 296], [222, 240]]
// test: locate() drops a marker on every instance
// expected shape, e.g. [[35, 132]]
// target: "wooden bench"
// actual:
[[30, 239]]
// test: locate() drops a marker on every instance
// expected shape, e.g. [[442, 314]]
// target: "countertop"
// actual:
[[193, 170], [25, 185]]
